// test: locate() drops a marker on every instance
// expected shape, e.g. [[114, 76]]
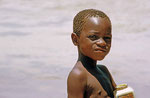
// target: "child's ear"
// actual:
[[74, 39]]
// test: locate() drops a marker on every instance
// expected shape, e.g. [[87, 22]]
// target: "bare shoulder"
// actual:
[[105, 69], [76, 81], [78, 73]]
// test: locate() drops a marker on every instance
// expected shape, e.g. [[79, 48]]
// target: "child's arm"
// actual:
[[76, 84]]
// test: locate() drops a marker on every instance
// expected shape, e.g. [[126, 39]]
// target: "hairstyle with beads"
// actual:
[[80, 19]]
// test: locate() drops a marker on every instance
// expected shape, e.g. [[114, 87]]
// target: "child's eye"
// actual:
[[107, 38], [93, 37]]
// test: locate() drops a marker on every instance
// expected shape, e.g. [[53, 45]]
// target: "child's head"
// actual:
[[82, 16], [92, 33]]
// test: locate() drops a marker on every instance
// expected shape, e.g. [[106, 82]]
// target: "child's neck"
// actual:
[[86, 61]]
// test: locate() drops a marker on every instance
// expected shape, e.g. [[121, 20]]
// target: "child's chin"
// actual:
[[99, 58]]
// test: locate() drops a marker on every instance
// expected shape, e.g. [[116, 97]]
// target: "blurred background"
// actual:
[[37, 54]]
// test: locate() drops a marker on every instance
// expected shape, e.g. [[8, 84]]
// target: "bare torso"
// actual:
[[92, 86]]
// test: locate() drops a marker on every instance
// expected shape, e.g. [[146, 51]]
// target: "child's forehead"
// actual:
[[97, 25], [94, 21]]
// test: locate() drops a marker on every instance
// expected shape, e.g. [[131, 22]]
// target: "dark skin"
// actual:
[[87, 79]]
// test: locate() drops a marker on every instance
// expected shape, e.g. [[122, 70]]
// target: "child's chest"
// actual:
[[95, 83]]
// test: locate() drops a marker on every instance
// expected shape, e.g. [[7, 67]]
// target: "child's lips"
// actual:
[[100, 50]]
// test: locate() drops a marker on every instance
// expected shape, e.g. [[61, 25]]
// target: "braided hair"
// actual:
[[80, 19]]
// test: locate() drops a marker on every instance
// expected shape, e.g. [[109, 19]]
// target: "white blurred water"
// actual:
[[36, 52]]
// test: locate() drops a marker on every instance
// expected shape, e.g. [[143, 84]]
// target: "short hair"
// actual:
[[81, 17]]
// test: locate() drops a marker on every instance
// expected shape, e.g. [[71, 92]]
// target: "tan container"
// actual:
[[124, 91]]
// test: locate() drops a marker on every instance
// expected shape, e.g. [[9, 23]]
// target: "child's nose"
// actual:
[[101, 42]]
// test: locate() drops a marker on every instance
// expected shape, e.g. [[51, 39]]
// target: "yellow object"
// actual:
[[124, 91]]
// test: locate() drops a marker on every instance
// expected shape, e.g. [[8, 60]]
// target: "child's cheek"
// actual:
[[85, 49]]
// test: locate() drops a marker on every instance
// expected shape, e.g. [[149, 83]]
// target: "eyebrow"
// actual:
[[108, 33]]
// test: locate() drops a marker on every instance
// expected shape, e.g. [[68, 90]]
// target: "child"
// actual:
[[92, 36]]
